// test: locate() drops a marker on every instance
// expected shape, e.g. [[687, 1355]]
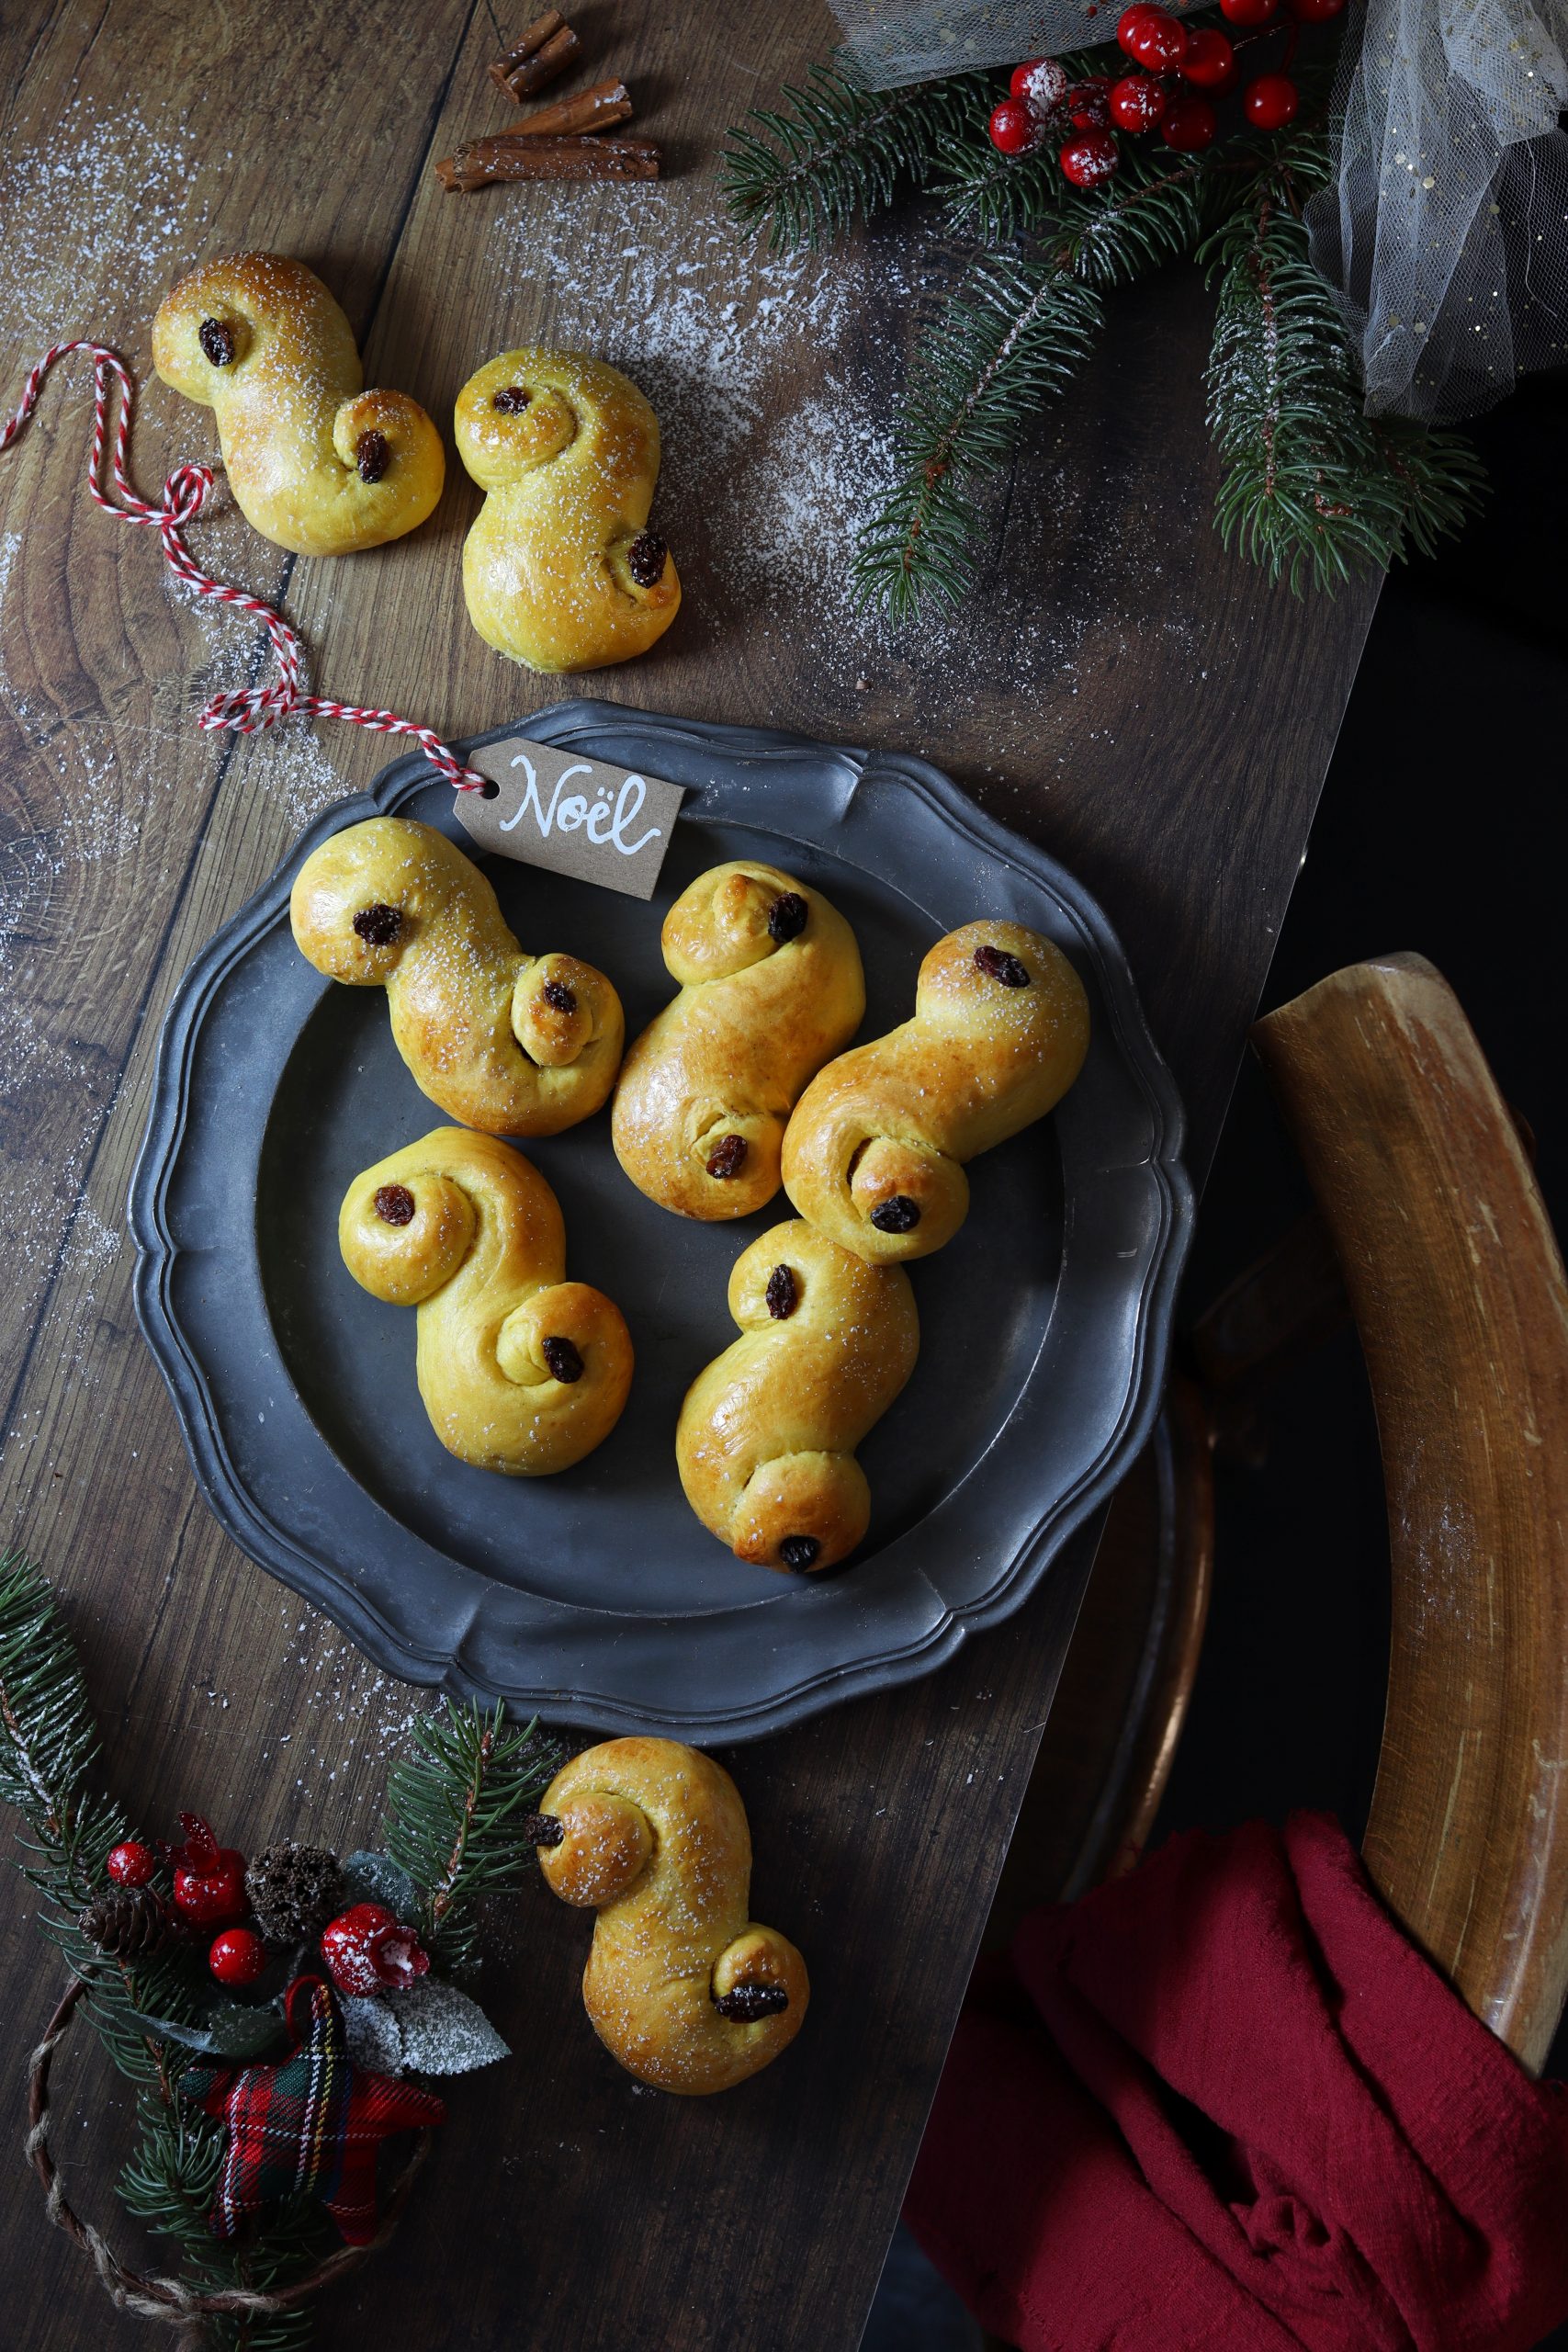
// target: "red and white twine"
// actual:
[[244, 710]]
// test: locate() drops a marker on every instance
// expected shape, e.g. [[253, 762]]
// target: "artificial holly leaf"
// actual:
[[227, 2030], [444, 2031], [375, 1878], [374, 2037]]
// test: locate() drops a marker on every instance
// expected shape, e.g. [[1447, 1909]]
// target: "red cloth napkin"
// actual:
[[1223, 2103]]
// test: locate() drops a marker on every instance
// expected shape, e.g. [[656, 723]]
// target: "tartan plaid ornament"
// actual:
[[312, 2122]]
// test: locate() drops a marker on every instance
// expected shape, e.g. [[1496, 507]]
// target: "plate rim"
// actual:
[[318, 1579]]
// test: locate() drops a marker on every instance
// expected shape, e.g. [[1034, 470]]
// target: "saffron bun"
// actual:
[[875, 1149], [317, 464], [767, 1435], [770, 986], [514, 1044], [520, 1370], [681, 1985], [560, 571]]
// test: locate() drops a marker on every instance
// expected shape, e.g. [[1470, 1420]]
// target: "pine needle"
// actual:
[[454, 1814]]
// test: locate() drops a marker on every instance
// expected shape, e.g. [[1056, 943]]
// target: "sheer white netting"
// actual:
[[1447, 227]]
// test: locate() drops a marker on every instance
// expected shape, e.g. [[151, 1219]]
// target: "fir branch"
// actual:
[[836, 151], [1313, 488], [454, 1809]]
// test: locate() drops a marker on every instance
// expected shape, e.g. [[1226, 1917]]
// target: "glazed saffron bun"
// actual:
[[767, 1435], [520, 1370], [516, 1045], [316, 463], [875, 1149], [770, 986], [681, 1985], [561, 569]]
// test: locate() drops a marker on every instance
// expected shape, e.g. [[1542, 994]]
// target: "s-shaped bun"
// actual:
[[767, 1435], [875, 1152], [561, 569], [517, 1045], [771, 985], [316, 463], [520, 1370], [686, 1990]]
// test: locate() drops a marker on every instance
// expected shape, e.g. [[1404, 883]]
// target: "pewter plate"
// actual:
[[595, 1596]]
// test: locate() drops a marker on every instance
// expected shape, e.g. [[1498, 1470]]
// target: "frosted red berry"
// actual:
[[1137, 103], [1156, 40], [366, 1949], [1090, 159], [209, 1879], [131, 1863], [1250, 12], [1130, 19], [1271, 101], [1316, 12], [1210, 62], [1015, 128], [238, 1956], [1039, 83], [1190, 124], [1089, 104]]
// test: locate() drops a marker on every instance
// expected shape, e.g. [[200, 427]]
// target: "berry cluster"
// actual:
[[365, 1947], [1180, 74]]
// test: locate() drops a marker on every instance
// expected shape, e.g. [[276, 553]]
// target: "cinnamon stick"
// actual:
[[546, 50], [594, 109], [485, 162]]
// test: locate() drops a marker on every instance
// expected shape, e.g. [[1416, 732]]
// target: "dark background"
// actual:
[[1440, 830]]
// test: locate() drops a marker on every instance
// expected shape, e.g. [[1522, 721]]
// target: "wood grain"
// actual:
[[1457, 1286], [1120, 689]]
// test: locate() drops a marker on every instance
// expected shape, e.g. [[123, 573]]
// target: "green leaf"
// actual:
[[375, 1878], [227, 2030]]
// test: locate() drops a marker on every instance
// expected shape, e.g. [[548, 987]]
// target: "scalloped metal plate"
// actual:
[[596, 1597]]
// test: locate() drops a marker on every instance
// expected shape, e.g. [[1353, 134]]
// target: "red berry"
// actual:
[[1157, 40], [1210, 61], [1250, 12], [131, 1864], [1130, 19], [1015, 128], [1089, 104], [1089, 158], [1190, 123], [1271, 101], [365, 1948], [1043, 83], [209, 1879], [1316, 12], [238, 1956], [1137, 103]]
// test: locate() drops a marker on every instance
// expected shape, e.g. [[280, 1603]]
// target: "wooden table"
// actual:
[[1141, 703]]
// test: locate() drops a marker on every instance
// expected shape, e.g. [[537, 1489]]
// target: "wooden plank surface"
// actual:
[[1120, 690]]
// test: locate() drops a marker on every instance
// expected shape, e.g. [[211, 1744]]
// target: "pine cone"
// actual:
[[294, 1891], [125, 1920]]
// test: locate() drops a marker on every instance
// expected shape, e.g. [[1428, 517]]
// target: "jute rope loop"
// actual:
[[170, 2301], [246, 709]]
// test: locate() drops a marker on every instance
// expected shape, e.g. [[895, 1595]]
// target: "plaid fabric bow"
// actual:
[[312, 2122]]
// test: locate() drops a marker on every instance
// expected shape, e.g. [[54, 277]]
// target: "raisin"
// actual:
[[512, 400], [898, 1213], [798, 1551], [565, 1363], [997, 964], [394, 1204], [783, 1293], [558, 997], [379, 925], [728, 1157], [372, 455], [541, 1829], [787, 917], [749, 2001], [644, 559], [217, 339]]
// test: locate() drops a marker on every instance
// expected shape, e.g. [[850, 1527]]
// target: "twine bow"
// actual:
[[244, 710]]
